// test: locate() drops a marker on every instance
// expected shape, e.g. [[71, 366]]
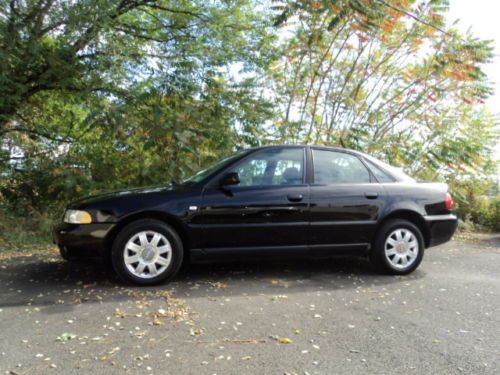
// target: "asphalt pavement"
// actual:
[[282, 317]]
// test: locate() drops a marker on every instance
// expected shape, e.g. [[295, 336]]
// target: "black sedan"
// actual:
[[276, 201]]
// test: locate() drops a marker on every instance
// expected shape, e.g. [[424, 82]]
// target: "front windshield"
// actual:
[[201, 175]]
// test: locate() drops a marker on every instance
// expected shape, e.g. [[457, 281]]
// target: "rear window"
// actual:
[[381, 175], [396, 173]]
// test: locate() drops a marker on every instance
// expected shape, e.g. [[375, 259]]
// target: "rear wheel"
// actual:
[[398, 248], [147, 252]]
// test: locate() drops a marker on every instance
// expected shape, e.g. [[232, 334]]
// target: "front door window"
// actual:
[[272, 167]]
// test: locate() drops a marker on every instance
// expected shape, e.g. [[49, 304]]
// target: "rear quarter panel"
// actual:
[[423, 198]]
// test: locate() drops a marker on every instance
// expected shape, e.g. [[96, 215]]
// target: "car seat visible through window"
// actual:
[[291, 176]]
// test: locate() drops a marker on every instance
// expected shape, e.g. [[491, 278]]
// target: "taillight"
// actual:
[[448, 201]]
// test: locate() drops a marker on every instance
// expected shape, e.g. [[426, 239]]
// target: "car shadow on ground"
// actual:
[[41, 281]]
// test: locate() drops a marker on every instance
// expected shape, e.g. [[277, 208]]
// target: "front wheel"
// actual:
[[65, 253], [398, 248], [147, 252]]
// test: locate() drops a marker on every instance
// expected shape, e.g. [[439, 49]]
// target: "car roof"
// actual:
[[332, 148]]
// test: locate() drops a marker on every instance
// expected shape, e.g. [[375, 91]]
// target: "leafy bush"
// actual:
[[20, 232], [488, 213]]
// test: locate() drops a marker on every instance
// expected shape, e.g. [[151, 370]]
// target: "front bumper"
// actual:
[[441, 228], [83, 240]]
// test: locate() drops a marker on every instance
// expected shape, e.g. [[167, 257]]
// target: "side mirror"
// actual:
[[230, 178]]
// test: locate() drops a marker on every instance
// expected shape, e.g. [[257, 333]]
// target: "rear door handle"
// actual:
[[295, 197], [371, 195]]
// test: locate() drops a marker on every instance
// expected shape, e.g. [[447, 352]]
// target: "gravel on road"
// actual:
[[282, 317]]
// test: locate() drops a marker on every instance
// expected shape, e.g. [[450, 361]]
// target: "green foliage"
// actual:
[[21, 232], [488, 214], [478, 202], [366, 15], [388, 78], [99, 95]]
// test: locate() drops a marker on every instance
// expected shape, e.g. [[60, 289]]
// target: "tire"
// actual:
[[398, 248], [147, 252], [65, 253]]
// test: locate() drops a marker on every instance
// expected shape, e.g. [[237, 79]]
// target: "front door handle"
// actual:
[[295, 197], [371, 195]]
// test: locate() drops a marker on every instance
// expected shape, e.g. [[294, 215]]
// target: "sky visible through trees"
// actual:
[[484, 25], [98, 95]]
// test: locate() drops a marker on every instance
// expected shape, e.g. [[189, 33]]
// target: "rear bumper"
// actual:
[[83, 241], [441, 228]]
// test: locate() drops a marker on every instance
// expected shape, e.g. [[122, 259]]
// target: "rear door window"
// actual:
[[332, 167]]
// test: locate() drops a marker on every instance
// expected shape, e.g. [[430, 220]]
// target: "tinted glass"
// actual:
[[204, 173], [272, 167], [332, 167], [393, 171], [381, 175]]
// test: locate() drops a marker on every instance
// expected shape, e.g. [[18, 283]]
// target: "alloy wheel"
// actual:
[[147, 254], [401, 248]]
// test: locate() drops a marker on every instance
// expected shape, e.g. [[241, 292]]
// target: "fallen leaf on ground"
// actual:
[[280, 283], [66, 337], [119, 313], [156, 322], [196, 331], [219, 285], [279, 297], [114, 350]]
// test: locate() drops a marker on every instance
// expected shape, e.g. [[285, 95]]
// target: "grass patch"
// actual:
[[24, 233]]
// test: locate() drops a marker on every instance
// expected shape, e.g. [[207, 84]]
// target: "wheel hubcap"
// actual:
[[401, 248], [147, 254]]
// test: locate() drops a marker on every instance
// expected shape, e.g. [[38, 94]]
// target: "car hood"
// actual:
[[93, 199]]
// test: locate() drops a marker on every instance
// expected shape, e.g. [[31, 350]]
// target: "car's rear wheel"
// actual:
[[147, 252], [398, 248]]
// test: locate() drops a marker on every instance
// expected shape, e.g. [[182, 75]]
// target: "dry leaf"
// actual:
[[156, 321], [119, 313], [196, 331], [66, 337], [114, 350]]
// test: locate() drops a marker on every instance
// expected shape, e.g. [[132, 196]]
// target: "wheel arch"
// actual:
[[411, 216], [156, 215]]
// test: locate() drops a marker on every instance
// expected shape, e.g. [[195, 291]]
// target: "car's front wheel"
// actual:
[[65, 253], [147, 252], [398, 248]]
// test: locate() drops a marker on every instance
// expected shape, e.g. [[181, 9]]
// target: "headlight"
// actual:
[[77, 217]]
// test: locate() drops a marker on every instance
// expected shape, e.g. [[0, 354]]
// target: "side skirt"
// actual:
[[301, 251]]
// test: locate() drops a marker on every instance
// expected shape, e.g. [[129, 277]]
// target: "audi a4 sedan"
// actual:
[[276, 201]]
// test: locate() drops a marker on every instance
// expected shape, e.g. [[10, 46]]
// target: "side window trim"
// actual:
[[373, 180], [313, 179]]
